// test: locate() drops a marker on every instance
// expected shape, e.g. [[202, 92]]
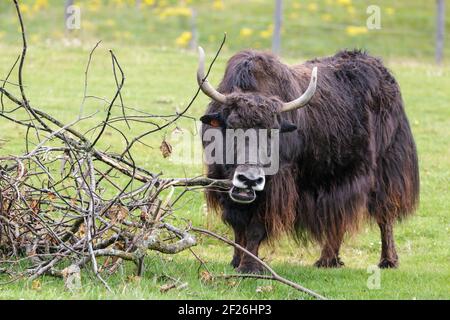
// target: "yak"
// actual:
[[346, 152]]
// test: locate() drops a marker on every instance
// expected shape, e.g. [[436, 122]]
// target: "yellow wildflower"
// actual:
[[390, 11], [356, 30], [246, 32], [218, 5], [175, 12], [149, 2], [351, 10], [313, 7], [24, 8], [35, 38], [344, 2], [266, 34], [162, 3], [40, 4], [184, 39], [94, 5]]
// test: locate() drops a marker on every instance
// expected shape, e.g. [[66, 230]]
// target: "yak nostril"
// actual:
[[260, 180], [241, 177]]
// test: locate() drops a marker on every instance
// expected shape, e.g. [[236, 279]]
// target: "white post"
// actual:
[[66, 14], [194, 30], [278, 22], [440, 30]]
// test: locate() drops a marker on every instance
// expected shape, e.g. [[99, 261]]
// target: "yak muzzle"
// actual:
[[246, 181]]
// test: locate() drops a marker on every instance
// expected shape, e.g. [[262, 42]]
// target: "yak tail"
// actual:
[[396, 191]]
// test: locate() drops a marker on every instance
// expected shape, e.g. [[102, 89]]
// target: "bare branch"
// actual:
[[273, 276]]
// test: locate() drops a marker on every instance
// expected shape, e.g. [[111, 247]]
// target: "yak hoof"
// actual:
[[250, 268], [235, 261], [329, 263], [388, 264]]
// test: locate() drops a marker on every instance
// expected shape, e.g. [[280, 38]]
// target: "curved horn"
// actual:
[[305, 97], [206, 87]]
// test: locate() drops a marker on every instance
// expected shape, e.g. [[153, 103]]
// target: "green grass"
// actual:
[[160, 79]]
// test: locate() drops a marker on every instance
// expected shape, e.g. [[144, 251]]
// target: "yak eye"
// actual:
[[213, 119], [214, 123]]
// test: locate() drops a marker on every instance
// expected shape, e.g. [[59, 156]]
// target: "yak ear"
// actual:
[[213, 119], [287, 126]]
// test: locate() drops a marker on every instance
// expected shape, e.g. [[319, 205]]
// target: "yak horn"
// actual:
[[305, 97], [206, 87]]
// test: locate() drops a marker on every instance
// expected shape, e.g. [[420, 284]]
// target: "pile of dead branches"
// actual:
[[65, 204]]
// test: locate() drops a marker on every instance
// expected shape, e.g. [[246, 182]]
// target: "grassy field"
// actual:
[[159, 79]]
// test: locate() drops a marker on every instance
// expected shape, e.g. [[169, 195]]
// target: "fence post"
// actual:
[[194, 30], [66, 14], [440, 29], [278, 19]]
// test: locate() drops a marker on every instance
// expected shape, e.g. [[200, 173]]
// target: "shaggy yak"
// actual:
[[345, 152]]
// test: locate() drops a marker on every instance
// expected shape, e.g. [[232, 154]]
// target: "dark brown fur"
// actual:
[[353, 154]]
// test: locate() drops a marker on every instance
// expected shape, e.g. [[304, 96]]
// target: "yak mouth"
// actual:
[[241, 195]]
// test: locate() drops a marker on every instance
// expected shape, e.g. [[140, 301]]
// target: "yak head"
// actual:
[[242, 135]]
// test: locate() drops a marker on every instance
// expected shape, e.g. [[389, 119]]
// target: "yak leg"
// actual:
[[255, 234], [389, 258], [329, 258], [239, 238]]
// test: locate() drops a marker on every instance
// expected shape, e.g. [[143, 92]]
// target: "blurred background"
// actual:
[[406, 28]]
